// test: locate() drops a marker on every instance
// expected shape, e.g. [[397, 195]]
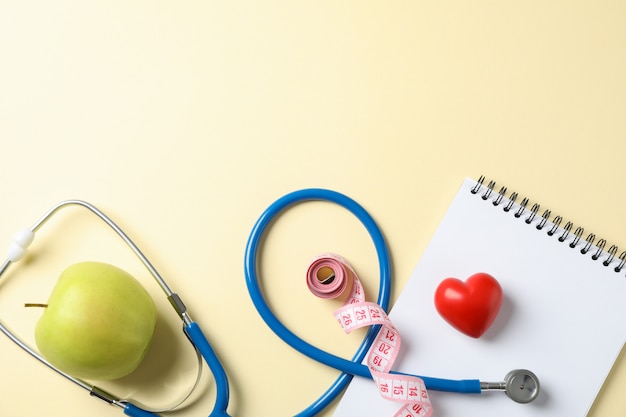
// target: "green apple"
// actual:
[[98, 322]]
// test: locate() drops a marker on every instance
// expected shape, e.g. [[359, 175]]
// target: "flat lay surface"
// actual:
[[184, 121]]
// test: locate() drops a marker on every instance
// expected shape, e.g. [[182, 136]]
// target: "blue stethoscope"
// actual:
[[520, 385]]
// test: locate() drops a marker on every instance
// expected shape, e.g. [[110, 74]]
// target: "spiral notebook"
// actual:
[[562, 314]]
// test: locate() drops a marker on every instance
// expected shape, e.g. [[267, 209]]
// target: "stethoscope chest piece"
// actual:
[[521, 385]]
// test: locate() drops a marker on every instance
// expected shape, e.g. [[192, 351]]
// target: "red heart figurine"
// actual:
[[470, 306]]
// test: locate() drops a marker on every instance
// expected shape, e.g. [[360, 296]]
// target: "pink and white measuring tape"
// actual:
[[329, 276]]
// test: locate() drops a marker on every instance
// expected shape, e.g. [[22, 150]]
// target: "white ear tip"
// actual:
[[16, 252], [24, 237], [20, 243]]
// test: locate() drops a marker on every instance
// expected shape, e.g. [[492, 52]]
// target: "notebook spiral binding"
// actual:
[[529, 215]]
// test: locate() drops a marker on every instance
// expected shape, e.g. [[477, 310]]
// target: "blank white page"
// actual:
[[562, 316]]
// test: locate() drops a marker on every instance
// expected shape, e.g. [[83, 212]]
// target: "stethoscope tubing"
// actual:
[[352, 367], [219, 374], [348, 368], [134, 411]]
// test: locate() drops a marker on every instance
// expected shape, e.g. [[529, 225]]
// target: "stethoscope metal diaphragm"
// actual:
[[520, 385]]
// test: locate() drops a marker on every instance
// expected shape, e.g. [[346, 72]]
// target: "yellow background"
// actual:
[[184, 120]]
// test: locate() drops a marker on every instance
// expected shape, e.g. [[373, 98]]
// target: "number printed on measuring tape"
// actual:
[[356, 313]]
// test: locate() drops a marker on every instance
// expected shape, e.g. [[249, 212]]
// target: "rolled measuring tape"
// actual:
[[330, 276]]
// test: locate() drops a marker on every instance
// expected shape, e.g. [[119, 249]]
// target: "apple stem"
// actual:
[[35, 305]]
